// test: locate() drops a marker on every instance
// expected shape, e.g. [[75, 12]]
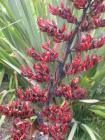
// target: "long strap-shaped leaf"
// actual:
[[90, 131], [73, 130], [17, 70]]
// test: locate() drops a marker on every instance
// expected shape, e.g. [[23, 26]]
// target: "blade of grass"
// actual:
[[89, 131], [72, 132]]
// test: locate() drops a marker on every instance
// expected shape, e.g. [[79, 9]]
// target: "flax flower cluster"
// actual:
[[53, 118]]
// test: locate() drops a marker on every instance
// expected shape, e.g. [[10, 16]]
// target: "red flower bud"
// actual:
[[79, 4], [63, 12], [78, 65], [20, 129], [97, 8], [52, 30]]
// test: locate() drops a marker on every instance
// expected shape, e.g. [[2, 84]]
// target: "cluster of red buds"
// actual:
[[99, 22], [57, 114], [64, 90], [78, 92], [79, 65], [72, 91], [87, 43], [34, 94], [92, 20], [63, 12], [52, 30], [49, 55], [89, 23], [97, 8], [60, 116], [27, 72], [41, 73], [54, 119], [20, 130], [55, 131], [80, 4], [17, 109]]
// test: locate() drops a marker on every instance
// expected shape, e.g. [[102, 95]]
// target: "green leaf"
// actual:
[[99, 113], [12, 66], [17, 70], [92, 71], [85, 81], [3, 94], [89, 131], [89, 101], [2, 71], [98, 107], [72, 132], [98, 76], [2, 120]]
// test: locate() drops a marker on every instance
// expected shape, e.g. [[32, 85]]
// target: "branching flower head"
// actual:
[[49, 69]]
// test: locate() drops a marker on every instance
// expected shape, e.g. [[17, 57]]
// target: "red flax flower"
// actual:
[[79, 4], [59, 116], [93, 19], [63, 12], [20, 129], [78, 65], [97, 8], [57, 132], [17, 109], [49, 55], [52, 30], [98, 22], [40, 74], [87, 43], [72, 91], [64, 90], [99, 42], [77, 91], [89, 23], [34, 94], [34, 54], [27, 72]]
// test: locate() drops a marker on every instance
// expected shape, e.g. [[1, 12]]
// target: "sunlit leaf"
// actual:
[[89, 101], [72, 132], [2, 119], [99, 113], [2, 71], [89, 131]]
